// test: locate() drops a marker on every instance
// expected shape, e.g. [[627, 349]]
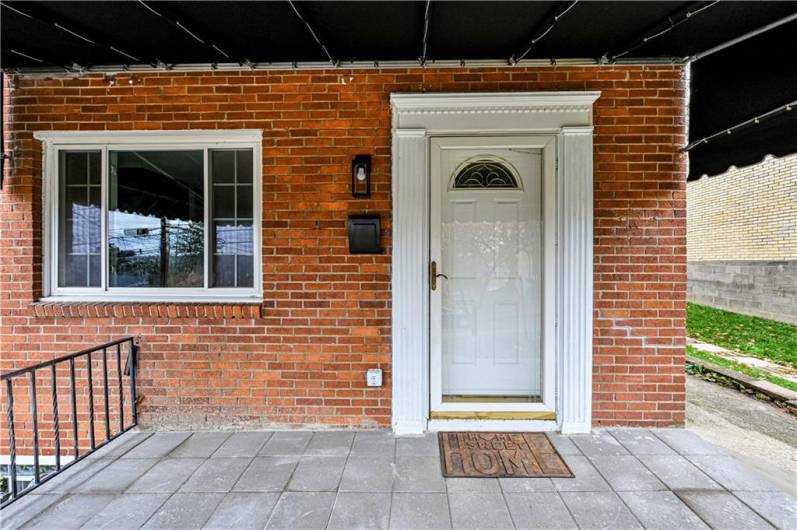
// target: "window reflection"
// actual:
[[80, 219], [155, 222], [232, 213]]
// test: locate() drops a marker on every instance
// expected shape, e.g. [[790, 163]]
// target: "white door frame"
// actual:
[[567, 116], [546, 143]]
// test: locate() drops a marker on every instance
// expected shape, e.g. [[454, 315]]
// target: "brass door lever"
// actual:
[[433, 275]]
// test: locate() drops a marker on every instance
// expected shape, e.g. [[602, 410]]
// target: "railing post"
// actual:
[[35, 420], [105, 390], [75, 438], [12, 440], [121, 387], [91, 403], [133, 392], [56, 422]]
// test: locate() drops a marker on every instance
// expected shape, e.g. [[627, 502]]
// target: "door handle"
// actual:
[[433, 275]]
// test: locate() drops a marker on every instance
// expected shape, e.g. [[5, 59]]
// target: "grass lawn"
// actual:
[[754, 336], [741, 368]]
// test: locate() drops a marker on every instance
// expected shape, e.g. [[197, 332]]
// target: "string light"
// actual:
[[193, 34], [426, 16], [673, 21], [45, 20], [514, 59], [752, 121], [332, 60]]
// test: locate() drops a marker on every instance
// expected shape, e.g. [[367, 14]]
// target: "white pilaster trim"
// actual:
[[574, 282], [410, 281]]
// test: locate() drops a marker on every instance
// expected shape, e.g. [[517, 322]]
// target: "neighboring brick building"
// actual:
[[299, 357], [742, 239]]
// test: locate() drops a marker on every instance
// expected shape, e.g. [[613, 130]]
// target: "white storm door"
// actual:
[[488, 246]]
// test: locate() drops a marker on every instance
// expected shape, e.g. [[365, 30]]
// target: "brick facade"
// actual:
[[300, 358]]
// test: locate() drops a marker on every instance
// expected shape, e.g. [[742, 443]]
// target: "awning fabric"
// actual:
[[728, 87]]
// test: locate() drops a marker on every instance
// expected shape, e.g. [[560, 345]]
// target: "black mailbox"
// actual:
[[365, 234]]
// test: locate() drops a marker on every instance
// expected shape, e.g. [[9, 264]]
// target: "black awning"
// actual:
[[728, 87]]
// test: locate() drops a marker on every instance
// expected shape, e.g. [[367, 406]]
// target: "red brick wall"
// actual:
[[301, 357]]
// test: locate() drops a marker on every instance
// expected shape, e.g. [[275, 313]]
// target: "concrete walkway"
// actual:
[[299, 479], [761, 435]]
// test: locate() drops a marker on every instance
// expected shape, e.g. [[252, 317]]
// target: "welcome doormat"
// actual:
[[500, 455]]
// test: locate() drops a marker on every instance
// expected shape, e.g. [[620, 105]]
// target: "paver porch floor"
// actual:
[[625, 478]]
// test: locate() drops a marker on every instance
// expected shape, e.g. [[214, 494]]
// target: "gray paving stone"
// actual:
[[426, 445], [302, 510], [374, 444], [731, 473], [364, 511], [317, 473], [286, 443], [661, 510], [479, 510], [73, 476], [117, 476], [419, 511], [626, 473], [678, 473], [563, 444], [686, 442], [120, 445], [267, 473], [367, 474], [777, 507], [599, 443], [641, 442], [242, 444], [330, 443], [26, 508], [185, 510], [472, 485], [722, 511], [200, 445], [166, 476], [418, 474], [586, 477], [127, 511], [70, 512], [215, 475], [595, 509], [158, 445], [540, 510], [521, 485], [243, 511]]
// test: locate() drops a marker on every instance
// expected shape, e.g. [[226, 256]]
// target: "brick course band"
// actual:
[[143, 310]]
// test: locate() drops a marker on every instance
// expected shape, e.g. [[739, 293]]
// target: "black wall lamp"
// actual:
[[361, 176]]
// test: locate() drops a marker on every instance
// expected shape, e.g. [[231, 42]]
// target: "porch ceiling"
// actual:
[[733, 85]]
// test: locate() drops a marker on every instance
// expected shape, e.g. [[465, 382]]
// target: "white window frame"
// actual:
[[104, 141]]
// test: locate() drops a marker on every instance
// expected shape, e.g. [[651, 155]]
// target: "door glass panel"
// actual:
[[156, 211], [491, 251]]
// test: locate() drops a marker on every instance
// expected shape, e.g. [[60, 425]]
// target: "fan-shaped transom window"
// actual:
[[485, 174]]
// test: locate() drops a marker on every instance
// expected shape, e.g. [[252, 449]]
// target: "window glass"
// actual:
[[80, 219], [156, 219], [233, 231]]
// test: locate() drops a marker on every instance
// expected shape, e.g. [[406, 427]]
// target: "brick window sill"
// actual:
[[55, 307]]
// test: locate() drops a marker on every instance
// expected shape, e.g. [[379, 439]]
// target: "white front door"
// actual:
[[488, 252]]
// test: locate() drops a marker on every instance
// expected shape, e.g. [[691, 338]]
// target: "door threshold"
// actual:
[[461, 398], [493, 415]]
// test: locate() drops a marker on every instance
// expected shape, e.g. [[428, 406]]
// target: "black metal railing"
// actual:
[[110, 432]]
